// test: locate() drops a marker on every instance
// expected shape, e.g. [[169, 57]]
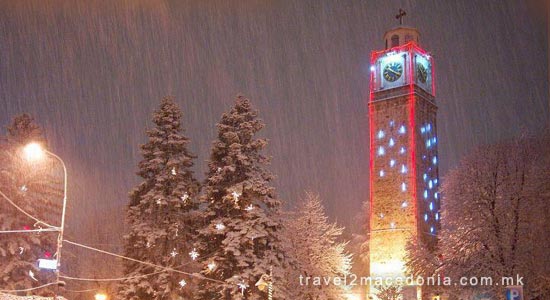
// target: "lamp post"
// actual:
[[33, 152]]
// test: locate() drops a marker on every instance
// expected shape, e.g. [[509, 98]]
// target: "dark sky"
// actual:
[[92, 72]]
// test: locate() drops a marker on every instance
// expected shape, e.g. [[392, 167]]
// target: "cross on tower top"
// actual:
[[400, 16]]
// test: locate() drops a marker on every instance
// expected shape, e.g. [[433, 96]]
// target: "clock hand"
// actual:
[[394, 72]]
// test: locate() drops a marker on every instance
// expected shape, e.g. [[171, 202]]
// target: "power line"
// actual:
[[26, 213], [29, 289], [110, 279], [144, 262]]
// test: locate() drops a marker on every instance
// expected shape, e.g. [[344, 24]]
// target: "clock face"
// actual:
[[421, 73], [393, 71]]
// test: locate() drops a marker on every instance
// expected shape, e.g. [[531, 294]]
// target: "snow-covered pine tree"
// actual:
[[36, 188], [240, 239], [313, 244], [162, 212]]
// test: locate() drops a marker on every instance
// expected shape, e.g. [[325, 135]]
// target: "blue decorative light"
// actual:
[[425, 176], [430, 184], [431, 206], [381, 151], [435, 181], [436, 195], [437, 216], [428, 144], [392, 123], [402, 129], [426, 217], [402, 150], [432, 229], [434, 160], [403, 169], [428, 127], [422, 129], [380, 134], [392, 142], [425, 194], [434, 140]]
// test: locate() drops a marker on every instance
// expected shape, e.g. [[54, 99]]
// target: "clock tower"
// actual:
[[404, 198]]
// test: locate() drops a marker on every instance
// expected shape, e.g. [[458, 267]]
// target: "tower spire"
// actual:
[[402, 13]]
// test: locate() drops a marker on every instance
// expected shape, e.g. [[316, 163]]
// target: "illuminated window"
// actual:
[[381, 151], [380, 134], [394, 40], [402, 129]]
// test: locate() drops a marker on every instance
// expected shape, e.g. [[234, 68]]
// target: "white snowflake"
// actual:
[[183, 283], [174, 253], [220, 226], [184, 198], [194, 254], [242, 286]]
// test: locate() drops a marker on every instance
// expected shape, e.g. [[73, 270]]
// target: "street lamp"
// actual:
[[100, 296], [33, 152], [266, 281]]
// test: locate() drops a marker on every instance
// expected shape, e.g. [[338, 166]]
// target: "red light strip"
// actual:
[[412, 126]]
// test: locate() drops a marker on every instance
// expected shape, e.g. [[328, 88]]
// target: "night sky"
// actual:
[[92, 73]]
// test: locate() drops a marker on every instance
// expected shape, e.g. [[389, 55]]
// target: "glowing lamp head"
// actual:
[[353, 297], [33, 152], [100, 296]]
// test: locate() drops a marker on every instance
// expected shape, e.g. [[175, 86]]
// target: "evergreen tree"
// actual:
[[36, 189], [317, 253], [240, 239], [162, 211]]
